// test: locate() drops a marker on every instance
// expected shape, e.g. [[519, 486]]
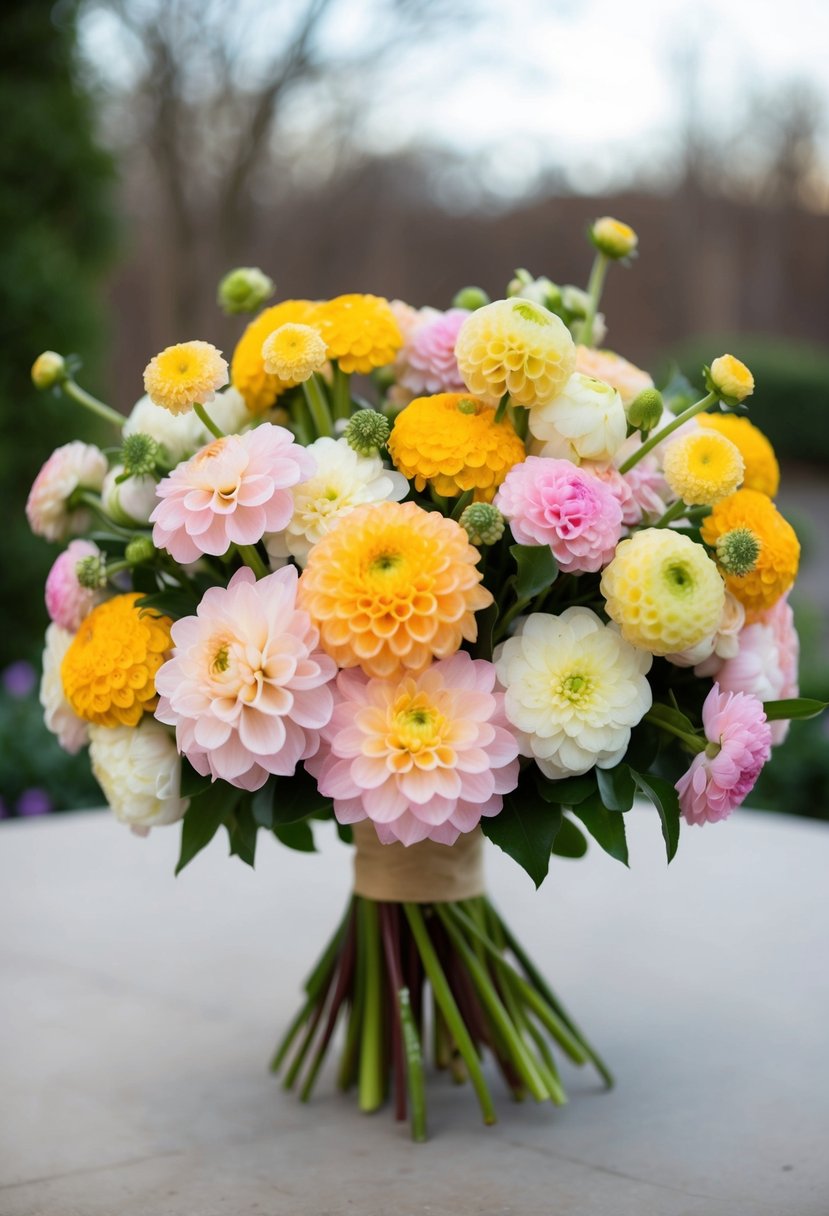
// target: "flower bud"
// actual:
[[140, 549], [738, 551], [730, 379], [483, 523], [139, 455], [367, 431], [613, 238], [91, 572], [470, 298], [645, 410], [129, 501], [244, 290], [48, 370]]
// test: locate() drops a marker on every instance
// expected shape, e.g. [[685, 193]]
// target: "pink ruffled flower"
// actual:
[[553, 502], [427, 361], [719, 778], [72, 467], [421, 757], [231, 492], [247, 688], [619, 486], [67, 602]]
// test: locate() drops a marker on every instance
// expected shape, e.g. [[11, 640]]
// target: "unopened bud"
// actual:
[[244, 290], [139, 550], [91, 572], [738, 551], [613, 238], [730, 379], [139, 455], [48, 370], [483, 523], [471, 298], [367, 431], [645, 410]]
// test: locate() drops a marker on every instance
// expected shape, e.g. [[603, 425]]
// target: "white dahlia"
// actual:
[[586, 421], [139, 771], [72, 732]]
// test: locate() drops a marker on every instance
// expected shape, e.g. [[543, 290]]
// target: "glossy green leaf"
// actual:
[[537, 569], [569, 791], [288, 799], [485, 620], [664, 797], [204, 816], [570, 841], [606, 827], [297, 836], [617, 788], [242, 829], [526, 829], [794, 708]]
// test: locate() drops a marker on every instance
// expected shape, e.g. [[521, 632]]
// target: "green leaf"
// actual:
[[537, 569], [570, 841], [262, 804], [345, 833], [794, 708], [173, 603], [297, 836], [192, 783], [569, 791], [645, 742], [666, 800], [486, 621], [617, 788], [672, 716], [203, 818], [525, 829], [288, 799], [606, 827], [242, 829]]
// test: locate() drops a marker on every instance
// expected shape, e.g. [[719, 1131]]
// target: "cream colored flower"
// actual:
[[60, 718], [130, 502], [294, 352], [139, 771], [515, 346], [585, 422]]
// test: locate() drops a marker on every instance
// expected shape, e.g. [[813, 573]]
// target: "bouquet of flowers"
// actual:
[[437, 576]]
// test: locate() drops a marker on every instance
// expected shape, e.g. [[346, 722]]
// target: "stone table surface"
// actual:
[[139, 1011]]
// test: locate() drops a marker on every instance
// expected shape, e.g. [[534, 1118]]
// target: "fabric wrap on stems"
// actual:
[[423, 873]]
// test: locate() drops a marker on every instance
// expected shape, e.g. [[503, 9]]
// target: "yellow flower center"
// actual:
[[416, 725], [576, 688], [221, 659]]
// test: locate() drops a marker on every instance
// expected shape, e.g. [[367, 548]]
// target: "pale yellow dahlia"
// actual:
[[184, 375], [762, 472], [776, 567], [452, 442], [360, 331], [391, 587], [663, 591], [515, 346], [109, 670], [293, 352], [702, 467], [260, 388]]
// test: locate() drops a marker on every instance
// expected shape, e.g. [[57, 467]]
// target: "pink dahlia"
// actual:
[[739, 744], [620, 488], [247, 688], [67, 602], [75, 466], [553, 502], [231, 492], [422, 756], [428, 359]]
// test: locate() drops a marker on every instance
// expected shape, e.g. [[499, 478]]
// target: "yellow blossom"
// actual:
[[777, 562], [293, 352], [762, 471], [260, 388], [613, 238], [702, 467], [730, 379], [360, 332], [184, 375], [518, 347]]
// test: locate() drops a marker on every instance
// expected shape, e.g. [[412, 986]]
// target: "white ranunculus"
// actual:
[[139, 771], [60, 718], [574, 690], [586, 421], [343, 480], [129, 502]]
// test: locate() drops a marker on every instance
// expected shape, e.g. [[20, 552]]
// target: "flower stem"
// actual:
[[502, 408], [462, 503], [371, 1038], [675, 512], [341, 392], [693, 742], [318, 406], [82, 397], [202, 414], [250, 556], [658, 436], [595, 288]]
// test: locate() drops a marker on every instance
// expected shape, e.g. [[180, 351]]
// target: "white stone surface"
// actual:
[[139, 1011]]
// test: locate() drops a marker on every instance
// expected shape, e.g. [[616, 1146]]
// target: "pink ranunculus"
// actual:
[[553, 502], [75, 466], [650, 491], [247, 689], [421, 756], [231, 492], [619, 486], [67, 602], [720, 778], [428, 357]]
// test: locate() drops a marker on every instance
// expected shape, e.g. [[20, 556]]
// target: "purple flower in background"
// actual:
[[19, 679], [4, 810], [34, 801]]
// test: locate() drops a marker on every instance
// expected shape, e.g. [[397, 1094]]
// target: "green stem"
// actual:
[[117, 567], [88, 499], [82, 397], [502, 408], [595, 287], [250, 556], [658, 436], [506, 620], [301, 420], [293, 1030], [462, 503], [371, 1039], [414, 1066], [520, 420], [318, 406], [675, 512], [202, 414], [693, 742], [341, 392]]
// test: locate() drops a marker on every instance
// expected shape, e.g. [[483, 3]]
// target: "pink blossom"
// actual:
[[553, 502], [247, 688], [619, 486], [231, 492], [427, 361], [739, 744], [67, 602], [75, 466], [423, 756]]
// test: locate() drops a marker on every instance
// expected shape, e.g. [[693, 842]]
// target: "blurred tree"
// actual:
[[57, 236]]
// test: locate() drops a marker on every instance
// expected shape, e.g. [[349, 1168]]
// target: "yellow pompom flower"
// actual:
[[730, 379], [108, 672], [391, 587], [360, 332], [518, 347], [260, 388], [453, 443], [663, 591], [776, 567], [185, 374], [702, 467], [762, 471], [293, 353]]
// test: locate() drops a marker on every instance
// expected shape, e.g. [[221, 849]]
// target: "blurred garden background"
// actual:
[[408, 147]]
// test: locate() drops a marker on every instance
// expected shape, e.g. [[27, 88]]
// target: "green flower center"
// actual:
[[679, 578]]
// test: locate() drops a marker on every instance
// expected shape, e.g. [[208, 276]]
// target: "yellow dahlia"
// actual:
[[247, 367], [663, 591], [515, 346], [452, 442], [293, 352], [762, 470], [777, 563], [360, 332], [392, 586], [182, 375], [108, 672], [702, 467]]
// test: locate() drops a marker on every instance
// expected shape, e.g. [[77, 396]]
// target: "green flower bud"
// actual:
[[91, 572], [471, 298], [730, 379], [48, 370], [613, 238], [139, 455], [738, 551], [483, 523], [140, 549], [244, 290], [367, 431], [645, 410], [517, 284]]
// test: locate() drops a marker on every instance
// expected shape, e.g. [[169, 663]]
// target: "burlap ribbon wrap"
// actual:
[[422, 873]]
